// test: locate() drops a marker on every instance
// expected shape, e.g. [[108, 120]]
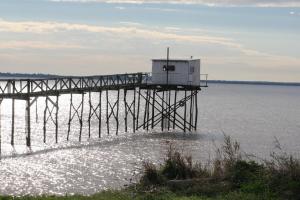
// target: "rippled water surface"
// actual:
[[253, 114]]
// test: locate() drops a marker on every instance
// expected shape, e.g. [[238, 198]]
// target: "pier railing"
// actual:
[[19, 88]]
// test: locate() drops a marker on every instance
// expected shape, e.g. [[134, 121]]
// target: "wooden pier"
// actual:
[[161, 103]]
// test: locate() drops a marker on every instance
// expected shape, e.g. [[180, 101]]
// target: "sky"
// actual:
[[255, 40]]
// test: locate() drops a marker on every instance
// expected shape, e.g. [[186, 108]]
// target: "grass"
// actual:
[[231, 176]]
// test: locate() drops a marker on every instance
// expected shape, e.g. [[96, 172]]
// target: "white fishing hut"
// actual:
[[176, 72]]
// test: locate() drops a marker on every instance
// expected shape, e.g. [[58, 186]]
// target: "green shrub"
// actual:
[[177, 166], [151, 175]]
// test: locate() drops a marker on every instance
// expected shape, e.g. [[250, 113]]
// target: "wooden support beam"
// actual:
[[196, 115], [153, 105], [178, 104], [126, 112], [70, 115], [45, 119], [138, 109], [107, 118], [174, 108], [28, 124], [134, 114], [100, 112], [36, 111], [56, 119], [169, 109], [145, 111], [0, 129], [184, 112], [148, 107], [191, 111], [162, 110], [81, 117], [90, 114], [117, 117], [12, 139]]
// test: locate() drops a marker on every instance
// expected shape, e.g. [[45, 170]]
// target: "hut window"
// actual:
[[169, 68], [192, 69]]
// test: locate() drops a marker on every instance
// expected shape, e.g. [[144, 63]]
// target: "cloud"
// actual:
[[259, 3], [127, 31], [128, 23], [19, 45], [122, 32]]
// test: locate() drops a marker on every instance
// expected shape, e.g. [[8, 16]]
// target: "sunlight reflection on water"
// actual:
[[253, 115]]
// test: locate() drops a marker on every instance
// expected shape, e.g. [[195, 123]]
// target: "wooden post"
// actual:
[[138, 109], [28, 127], [70, 115], [27, 116], [126, 112], [0, 130], [118, 104], [100, 111], [81, 115], [36, 111], [145, 111], [148, 107], [45, 116], [153, 105], [184, 123], [56, 119], [107, 119], [162, 111], [196, 105], [134, 114], [12, 141], [191, 110], [169, 109], [90, 113], [174, 115]]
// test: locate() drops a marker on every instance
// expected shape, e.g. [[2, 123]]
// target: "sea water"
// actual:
[[255, 115]]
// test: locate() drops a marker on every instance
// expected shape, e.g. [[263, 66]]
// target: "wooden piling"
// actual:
[[162, 111], [0, 130], [90, 113], [56, 120], [70, 115], [45, 120], [153, 105], [118, 105], [36, 111], [81, 116], [169, 109], [148, 108], [138, 109], [134, 114], [174, 115], [145, 111], [12, 140], [100, 112], [126, 112], [184, 123], [196, 115], [107, 119], [191, 111], [28, 125]]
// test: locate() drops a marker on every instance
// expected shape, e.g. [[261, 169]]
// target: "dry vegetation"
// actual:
[[231, 176]]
